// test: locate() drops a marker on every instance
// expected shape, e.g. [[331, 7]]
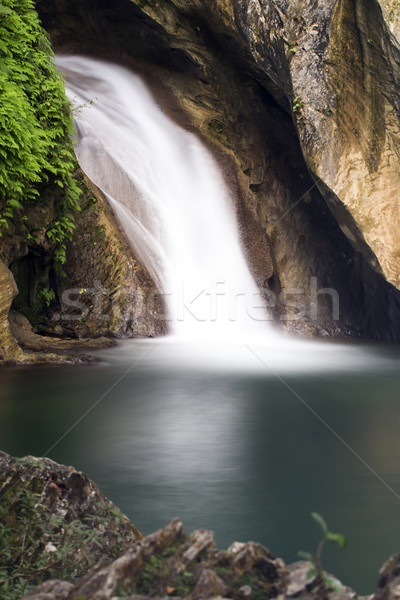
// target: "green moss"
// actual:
[[184, 583], [37, 544], [261, 590], [224, 573], [216, 128], [147, 577], [171, 550]]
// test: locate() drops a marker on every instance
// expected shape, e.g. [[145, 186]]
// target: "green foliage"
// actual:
[[298, 104], [47, 295], [327, 536], [35, 147], [184, 583], [36, 544]]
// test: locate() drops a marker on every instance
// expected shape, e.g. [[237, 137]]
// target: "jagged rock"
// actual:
[[209, 585], [158, 566], [389, 580], [197, 542], [47, 504], [170, 563], [64, 490], [245, 593], [298, 579], [57, 522], [49, 590], [102, 582]]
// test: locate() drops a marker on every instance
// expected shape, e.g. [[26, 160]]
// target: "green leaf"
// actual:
[[337, 538], [320, 521], [4, 10], [311, 573], [332, 583], [14, 204]]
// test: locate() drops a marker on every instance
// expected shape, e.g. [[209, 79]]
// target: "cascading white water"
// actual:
[[170, 197]]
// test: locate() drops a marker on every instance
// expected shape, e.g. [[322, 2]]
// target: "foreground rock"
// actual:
[[63, 540], [56, 523], [170, 564]]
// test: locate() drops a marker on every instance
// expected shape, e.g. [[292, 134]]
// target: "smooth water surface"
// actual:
[[228, 442]]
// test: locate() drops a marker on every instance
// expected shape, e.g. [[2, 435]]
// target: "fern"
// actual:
[[35, 146]]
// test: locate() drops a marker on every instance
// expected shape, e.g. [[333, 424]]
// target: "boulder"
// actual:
[[389, 580], [56, 524], [9, 349]]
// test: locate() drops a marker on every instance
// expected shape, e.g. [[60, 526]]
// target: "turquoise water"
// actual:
[[226, 441]]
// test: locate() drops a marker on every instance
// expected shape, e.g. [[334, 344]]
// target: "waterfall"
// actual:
[[170, 197]]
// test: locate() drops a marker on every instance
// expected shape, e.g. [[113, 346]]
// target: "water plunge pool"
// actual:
[[234, 438]]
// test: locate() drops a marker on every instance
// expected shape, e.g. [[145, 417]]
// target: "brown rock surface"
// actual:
[[156, 567], [310, 161], [56, 524], [9, 349], [106, 292]]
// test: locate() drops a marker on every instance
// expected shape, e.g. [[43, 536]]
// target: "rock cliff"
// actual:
[[299, 101], [9, 348], [104, 290]]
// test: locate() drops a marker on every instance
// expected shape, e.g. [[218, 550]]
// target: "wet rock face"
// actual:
[[9, 349], [106, 291], [391, 12], [298, 100], [349, 123]]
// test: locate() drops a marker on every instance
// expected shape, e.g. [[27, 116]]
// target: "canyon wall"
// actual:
[[299, 101]]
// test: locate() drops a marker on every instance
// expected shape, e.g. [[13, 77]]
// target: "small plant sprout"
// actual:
[[298, 104], [316, 570]]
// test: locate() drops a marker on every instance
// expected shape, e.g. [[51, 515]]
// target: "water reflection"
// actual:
[[228, 448]]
